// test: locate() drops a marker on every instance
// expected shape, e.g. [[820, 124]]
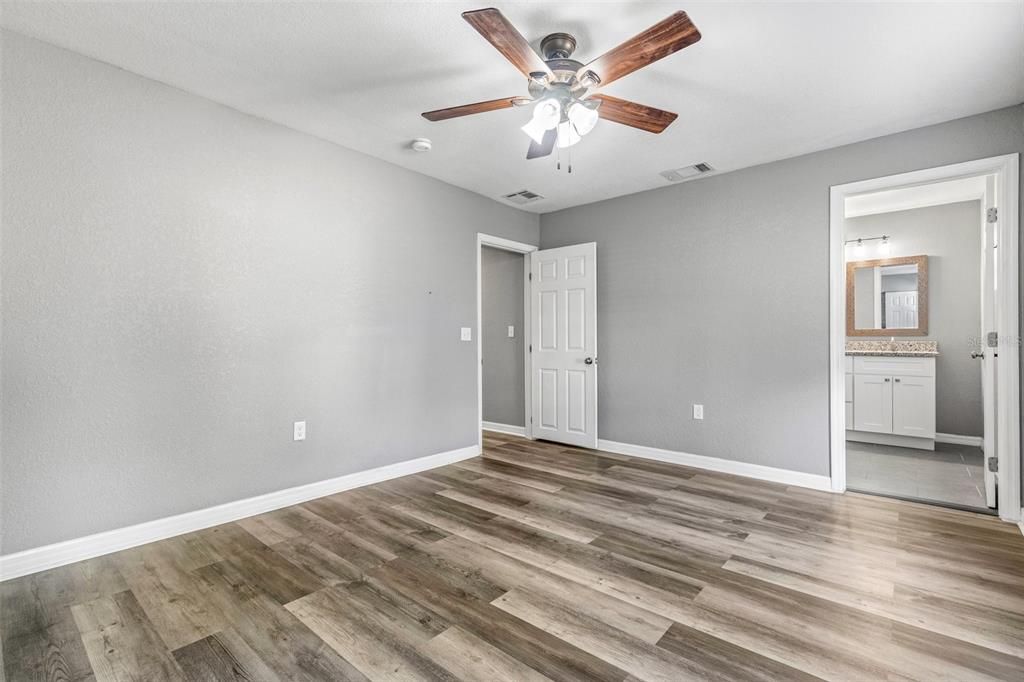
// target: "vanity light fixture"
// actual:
[[858, 243]]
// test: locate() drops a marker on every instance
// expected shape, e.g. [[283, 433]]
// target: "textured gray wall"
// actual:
[[182, 281], [716, 292], [502, 305], [950, 236]]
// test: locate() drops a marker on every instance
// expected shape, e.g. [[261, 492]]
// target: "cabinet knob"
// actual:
[[896, 380], [887, 380]]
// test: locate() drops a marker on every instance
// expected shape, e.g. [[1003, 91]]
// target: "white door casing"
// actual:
[[563, 340]]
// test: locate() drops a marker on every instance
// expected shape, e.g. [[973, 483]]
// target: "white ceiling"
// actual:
[[768, 80]]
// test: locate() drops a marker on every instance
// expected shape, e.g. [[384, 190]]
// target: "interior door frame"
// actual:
[[483, 240], [1005, 169]]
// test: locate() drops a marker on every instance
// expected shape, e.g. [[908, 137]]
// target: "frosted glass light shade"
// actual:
[[545, 117], [567, 135], [583, 117]]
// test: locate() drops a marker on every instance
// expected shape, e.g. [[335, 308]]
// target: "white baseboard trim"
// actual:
[[956, 439], [504, 428], [726, 466], [78, 549]]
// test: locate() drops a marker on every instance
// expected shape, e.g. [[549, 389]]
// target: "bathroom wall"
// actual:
[[950, 235]]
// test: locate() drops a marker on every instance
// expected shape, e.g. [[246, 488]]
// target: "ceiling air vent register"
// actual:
[[686, 172], [523, 196]]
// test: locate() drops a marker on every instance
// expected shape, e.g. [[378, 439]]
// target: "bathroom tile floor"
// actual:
[[952, 474]]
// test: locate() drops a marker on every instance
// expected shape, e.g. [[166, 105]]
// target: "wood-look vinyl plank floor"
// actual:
[[537, 562]]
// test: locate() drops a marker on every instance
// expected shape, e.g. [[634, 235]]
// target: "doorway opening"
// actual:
[[924, 337], [504, 395], [502, 277], [559, 333]]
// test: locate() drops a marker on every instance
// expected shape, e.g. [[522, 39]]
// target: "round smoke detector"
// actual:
[[421, 144]]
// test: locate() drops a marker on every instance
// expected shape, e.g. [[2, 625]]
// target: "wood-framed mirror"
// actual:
[[887, 297]]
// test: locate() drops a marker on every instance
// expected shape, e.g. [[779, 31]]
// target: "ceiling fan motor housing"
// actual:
[[556, 49], [557, 46]]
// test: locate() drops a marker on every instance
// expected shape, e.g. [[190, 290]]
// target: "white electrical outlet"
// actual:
[[467, 334], [299, 432], [511, 331], [698, 411]]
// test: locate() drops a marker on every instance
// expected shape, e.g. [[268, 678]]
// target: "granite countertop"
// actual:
[[913, 349]]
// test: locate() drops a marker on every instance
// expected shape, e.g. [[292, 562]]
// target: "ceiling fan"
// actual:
[[565, 108]]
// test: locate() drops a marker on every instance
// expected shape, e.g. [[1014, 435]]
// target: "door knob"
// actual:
[[977, 354], [589, 361]]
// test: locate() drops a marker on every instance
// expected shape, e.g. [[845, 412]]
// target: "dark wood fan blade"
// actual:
[[499, 31], [467, 109], [660, 40], [545, 147], [632, 114]]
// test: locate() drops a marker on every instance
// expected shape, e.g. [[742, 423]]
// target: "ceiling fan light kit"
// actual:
[[566, 108], [583, 115], [546, 115]]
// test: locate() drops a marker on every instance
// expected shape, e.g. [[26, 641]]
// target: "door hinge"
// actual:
[[531, 347], [531, 420], [993, 464], [530, 275], [992, 215]]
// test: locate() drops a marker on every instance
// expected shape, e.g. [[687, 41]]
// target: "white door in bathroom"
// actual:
[[987, 356]]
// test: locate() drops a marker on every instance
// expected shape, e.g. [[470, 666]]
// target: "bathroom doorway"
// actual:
[[916, 336]]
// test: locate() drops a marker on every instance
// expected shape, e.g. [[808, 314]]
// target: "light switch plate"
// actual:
[[698, 411], [511, 331], [299, 431], [467, 334]]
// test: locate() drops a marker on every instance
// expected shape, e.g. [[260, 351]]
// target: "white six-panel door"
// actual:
[[563, 357], [900, 309]]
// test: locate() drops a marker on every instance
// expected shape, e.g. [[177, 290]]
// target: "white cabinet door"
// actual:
[[563, 360], [913, 406], [872, 403]]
